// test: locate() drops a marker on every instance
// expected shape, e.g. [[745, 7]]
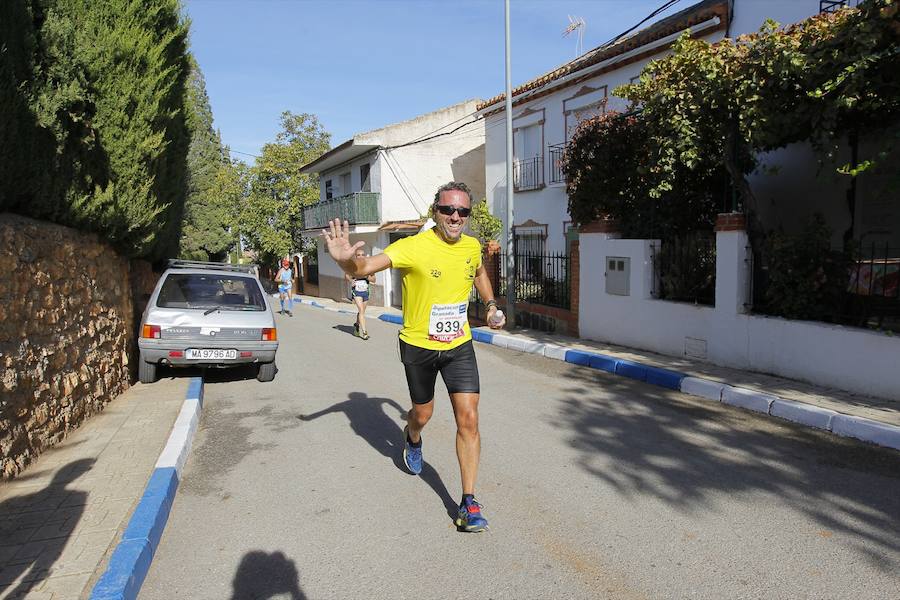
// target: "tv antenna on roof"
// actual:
[[576, 24]]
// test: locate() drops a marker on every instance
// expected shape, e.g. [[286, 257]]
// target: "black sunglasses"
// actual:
[[446, 209]]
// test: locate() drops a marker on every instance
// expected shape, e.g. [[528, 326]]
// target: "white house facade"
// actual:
[[383, 181], [614, 282], [547, 109]]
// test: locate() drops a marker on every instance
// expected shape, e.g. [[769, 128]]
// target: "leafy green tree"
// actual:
[[93, 124], [608, 169], [214, 188], [137, 56], [485, 225], [712, 107], [49, 148], [272, 217], [211, 219]]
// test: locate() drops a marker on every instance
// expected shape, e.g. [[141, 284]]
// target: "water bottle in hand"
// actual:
[[496, 318]]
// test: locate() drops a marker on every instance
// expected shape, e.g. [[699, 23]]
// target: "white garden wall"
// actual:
[[846, 358]]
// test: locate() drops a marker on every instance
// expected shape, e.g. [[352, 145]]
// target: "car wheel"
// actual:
[[266, 372], [146, 370]]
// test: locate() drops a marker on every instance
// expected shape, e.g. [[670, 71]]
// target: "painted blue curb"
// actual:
[[130, 561], [602, 362], [665, 378], [632, 370], [482, 336], [395, 319], [577, 357], [195, 390], [150, 516]]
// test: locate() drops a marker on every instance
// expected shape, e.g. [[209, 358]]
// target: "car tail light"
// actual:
[[176, 354], [246, 354], [269, 334], [151, 331]]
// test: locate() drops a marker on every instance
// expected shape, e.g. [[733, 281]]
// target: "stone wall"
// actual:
[[68, 321]]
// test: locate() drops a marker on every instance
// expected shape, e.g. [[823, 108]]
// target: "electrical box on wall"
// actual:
[[618, 272]]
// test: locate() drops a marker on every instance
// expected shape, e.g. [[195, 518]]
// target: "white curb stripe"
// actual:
[[867, 430], [805, 414], [743, 398], [178, 446], [705, 388], [555, 352]]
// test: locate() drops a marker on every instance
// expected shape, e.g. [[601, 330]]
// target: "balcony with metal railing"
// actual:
[[528, 174], [830, 6], [358, 208], [557, 151]]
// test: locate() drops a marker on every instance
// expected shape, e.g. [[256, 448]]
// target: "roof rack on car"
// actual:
[[177, 263]]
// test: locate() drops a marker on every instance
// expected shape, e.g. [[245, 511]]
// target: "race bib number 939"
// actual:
[[447, 321]]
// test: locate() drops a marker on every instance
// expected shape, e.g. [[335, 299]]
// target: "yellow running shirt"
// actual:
[[437, 280]]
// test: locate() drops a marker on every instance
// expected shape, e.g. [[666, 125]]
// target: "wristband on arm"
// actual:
[[489, 303]]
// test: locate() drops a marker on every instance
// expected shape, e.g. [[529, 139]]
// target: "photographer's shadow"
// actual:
[[261, 576], [32, 571], [369, 421]]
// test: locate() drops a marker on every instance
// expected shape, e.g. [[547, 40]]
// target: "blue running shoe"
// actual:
[[470, 518], [412, 456]]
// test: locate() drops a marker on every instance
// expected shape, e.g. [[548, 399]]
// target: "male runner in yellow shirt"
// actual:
[[439, 267]]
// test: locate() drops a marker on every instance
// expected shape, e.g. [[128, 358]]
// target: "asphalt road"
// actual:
[[595, 487]]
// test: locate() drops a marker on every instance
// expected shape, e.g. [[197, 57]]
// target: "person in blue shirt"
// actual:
[[284, 278]]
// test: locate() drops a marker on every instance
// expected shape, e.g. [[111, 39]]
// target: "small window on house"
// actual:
[[530, 240], [364, 184], [329, 190], [528, 170]]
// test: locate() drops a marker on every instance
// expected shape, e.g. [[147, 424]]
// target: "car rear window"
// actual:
[[201, 290]]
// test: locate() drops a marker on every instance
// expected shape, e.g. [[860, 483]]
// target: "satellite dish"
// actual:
[[576, 24]]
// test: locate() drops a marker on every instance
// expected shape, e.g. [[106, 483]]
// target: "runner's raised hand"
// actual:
[[337, 241]]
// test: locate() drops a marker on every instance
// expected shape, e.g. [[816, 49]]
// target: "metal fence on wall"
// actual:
[[867, 294], [685, 269], [540, 279]]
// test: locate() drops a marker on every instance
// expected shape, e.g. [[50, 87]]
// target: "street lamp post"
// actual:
[[510, 256]]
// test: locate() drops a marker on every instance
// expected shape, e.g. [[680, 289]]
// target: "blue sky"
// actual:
[[362, 64]]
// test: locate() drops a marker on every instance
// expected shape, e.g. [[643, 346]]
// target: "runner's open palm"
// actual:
[[337, 241]]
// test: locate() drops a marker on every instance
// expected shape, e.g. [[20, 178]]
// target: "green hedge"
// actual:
[[92, 118]]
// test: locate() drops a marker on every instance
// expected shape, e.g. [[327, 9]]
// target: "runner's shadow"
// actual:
[[261, 575], [47, 518], [346, 329], [369, 421]]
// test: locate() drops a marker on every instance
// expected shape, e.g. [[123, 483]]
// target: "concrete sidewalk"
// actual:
[[878, 410], [63, 516]]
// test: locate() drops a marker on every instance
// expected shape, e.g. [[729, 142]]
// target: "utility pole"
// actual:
[[510, 213]]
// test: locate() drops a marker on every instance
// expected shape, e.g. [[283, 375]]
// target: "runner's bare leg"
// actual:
[[468, 438], [417, 418]]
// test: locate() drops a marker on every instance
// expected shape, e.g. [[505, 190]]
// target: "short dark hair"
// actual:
[[453, 185]]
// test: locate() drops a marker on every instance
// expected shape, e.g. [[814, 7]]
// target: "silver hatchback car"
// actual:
[[207, 314]]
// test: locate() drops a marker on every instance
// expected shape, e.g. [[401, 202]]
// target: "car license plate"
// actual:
[[209, 354]]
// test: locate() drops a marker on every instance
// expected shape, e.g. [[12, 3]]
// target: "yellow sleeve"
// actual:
[[401, 253]]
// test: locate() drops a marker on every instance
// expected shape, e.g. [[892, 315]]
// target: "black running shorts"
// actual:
[[457, 367]]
